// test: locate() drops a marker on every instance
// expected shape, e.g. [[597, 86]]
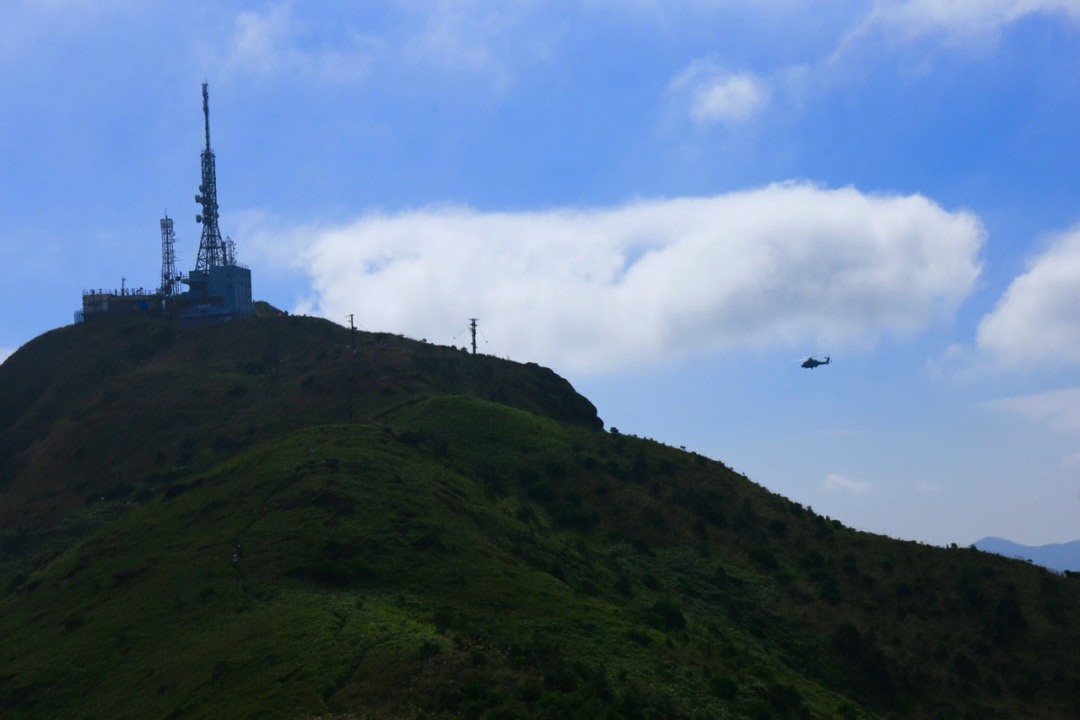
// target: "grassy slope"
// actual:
[[96, 417], [456, 557], [100, 402]]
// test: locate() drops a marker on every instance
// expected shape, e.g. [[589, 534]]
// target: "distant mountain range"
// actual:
[[1056, 556]]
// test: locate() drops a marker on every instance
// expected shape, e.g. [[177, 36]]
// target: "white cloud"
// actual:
[[1037, 320], [925, 488], [711, 95], [839, 483], [1071, 460], [911, 33], [270, 44], [649, 282], [954, 360], [469, 40], [492, 41], [5, 354], [262, 41], [959, 21], [734, 97], [478, 39], [1060, 409], [973, 24]]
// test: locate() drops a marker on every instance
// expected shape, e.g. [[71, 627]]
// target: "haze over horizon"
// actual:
[[670, 204]]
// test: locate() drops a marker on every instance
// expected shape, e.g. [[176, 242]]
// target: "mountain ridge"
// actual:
[[1062, 557], [412, 531]]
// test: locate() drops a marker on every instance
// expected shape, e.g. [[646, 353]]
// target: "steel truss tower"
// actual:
[[168, 258], [212, 249]]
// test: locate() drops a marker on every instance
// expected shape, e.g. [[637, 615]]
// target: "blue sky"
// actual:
[[670, 203]]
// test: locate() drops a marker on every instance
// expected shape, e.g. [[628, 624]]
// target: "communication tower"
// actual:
[[219, 288], [472, 332], [168, 258], [212, 249]]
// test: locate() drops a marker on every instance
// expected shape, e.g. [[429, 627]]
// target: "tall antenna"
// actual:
[[472, 332], [212, 251], [168, 257]]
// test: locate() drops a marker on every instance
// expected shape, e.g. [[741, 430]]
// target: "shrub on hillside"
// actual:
[[723, 687], [665, 615], [763, 557], [334, 573]]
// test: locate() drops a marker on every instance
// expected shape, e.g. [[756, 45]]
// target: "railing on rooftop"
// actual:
[[123, 292]]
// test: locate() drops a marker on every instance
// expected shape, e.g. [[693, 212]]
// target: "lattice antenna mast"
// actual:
[[212, 252], [168, 258], [472, 332]]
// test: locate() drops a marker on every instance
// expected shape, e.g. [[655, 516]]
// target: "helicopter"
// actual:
[[811, 363]]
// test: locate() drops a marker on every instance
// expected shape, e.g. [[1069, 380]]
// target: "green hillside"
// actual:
[[424, 533]]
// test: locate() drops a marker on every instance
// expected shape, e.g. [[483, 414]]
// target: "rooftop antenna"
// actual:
[[168, 257], [212, 250]]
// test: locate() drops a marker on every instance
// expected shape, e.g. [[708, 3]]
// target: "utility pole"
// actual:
[[352, 333], [472, 332]]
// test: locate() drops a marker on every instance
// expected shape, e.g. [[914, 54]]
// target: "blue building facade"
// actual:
[[215, 294]]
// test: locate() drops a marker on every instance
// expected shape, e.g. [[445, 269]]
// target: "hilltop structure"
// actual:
[[219, 288]]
